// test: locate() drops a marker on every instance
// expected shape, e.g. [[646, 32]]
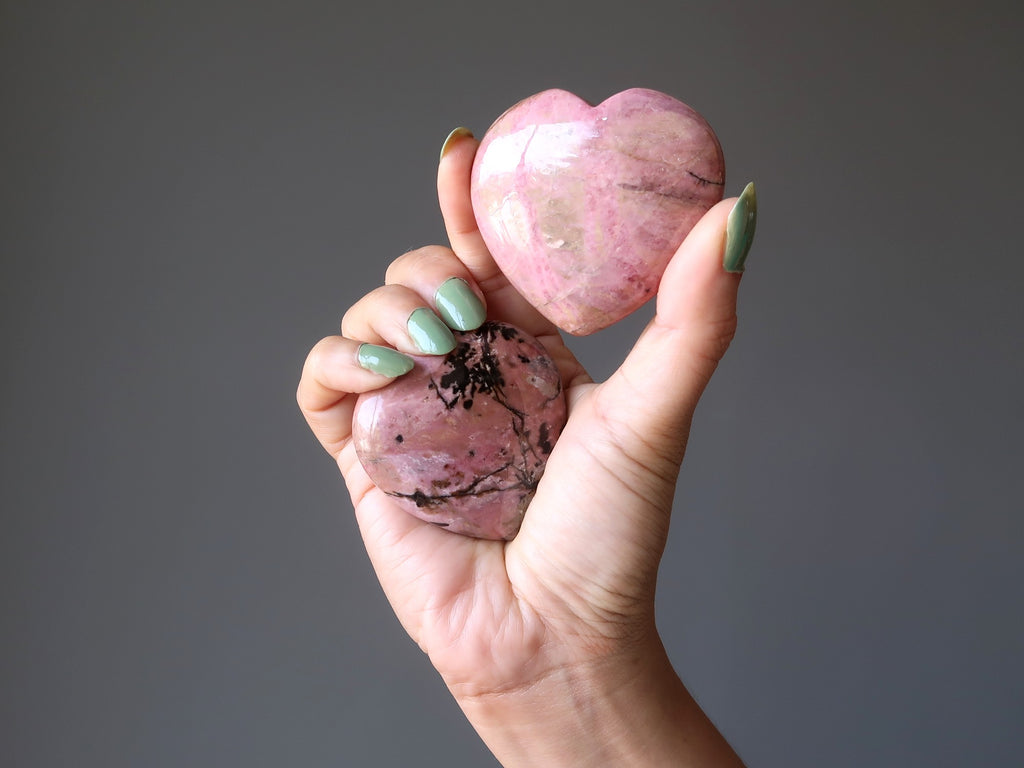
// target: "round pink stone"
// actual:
[[582, 207], [461, 440]]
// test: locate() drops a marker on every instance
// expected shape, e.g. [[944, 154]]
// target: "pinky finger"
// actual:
[[336, 370]]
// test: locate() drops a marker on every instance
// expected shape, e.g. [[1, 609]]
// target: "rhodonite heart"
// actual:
[[461, 441], [583, 206]]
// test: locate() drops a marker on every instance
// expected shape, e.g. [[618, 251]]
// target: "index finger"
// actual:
[[504, 302], [453, 173]]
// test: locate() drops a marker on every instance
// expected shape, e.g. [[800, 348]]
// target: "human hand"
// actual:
[[548, 642]]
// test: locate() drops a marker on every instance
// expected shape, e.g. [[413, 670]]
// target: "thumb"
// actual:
[[649, 401], [602, 509]]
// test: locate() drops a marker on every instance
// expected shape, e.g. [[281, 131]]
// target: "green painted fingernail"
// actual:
[[384, 360], [739, 231], [454, 136], [429, 334], [458, 305]]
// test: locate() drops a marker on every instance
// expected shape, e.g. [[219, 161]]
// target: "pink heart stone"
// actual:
[[461, 441], [582, 207]]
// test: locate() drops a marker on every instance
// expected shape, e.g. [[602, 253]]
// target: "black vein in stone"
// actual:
[[429, 499], [474, 369], [704, 182]]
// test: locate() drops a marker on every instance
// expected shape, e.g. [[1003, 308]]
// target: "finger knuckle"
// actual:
[[311, 370], [353, 322], [316, 359], [427, 259]]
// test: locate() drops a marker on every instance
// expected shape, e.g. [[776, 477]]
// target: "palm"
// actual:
[[485, 610]]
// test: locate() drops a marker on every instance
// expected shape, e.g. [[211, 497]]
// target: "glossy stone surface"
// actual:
[[582, 207], [461, 441]]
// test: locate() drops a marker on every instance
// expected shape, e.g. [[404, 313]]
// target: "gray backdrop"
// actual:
[[192, 194]]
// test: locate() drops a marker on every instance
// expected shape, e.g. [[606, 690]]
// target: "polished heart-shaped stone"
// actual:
[[461, 441], [583, 206]]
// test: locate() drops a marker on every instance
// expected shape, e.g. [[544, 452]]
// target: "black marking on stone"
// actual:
[[544, 438], [663, 189], [705, 182], [524, 359], [422, 499], [473, 369], [472, 452], [399, 438], [659, 190], [439, 524]]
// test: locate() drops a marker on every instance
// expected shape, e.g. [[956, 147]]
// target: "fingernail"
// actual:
[[458, 305], [739, 231], [384, 360], [429, 334], [454, 136]]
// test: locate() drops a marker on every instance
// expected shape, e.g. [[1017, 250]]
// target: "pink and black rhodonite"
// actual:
[[583, 206], [461, 441]]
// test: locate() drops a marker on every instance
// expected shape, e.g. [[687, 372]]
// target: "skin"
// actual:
[[548, 642]]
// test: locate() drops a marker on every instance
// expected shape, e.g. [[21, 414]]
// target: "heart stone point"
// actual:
[[583, 206], [462, 440]]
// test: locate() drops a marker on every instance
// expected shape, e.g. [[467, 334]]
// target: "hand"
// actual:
[[547, 642]]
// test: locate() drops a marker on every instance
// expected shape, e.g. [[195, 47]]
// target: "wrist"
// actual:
[[630, 709]]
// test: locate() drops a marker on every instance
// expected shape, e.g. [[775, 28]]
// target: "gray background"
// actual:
[[192, 193]]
